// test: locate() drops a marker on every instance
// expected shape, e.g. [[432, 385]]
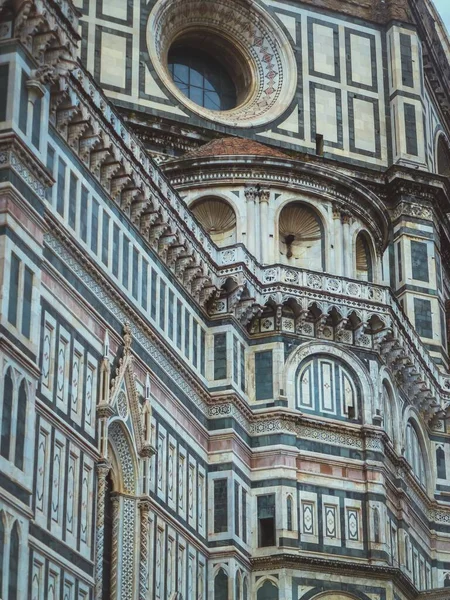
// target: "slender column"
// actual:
[[250, 196], [337, 240], [102, 472], [346, 244], [144, 507], [264, 223], [115, 545]]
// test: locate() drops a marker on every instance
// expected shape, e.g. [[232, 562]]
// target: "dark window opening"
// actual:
[[21, 425], [202, 78], [440, 461], [319, 144], [221, 586], [4, 71], [266, 521], [289, 513], [107, 543], [14, 563], [13, 290], [220, 505], [6, 415]]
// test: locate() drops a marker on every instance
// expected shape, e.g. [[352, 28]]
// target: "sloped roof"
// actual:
[[235, 146]]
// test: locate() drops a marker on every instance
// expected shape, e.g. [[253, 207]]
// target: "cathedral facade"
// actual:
[[225, 300]]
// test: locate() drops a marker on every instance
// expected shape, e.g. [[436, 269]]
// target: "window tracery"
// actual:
[[326, 386], [414, 454]]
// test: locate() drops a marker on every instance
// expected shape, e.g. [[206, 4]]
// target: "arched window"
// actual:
[[218, 218], [245, 589], [440, 463], [414, 454], [268, 591], [326, 386], [14, 563], [221, 586], [7, 415], [2, 549], [376, 525], [443, 157], [237, 586], [289, 512], [107, 539], [21, 421], [301, 237], [364, 269], [387, 413]]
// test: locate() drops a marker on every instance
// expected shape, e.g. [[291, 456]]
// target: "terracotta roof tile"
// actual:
[[234, 146]]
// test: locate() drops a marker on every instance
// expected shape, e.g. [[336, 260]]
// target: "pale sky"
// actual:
[[443, 7]]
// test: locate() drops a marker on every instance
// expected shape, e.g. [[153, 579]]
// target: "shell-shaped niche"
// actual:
[[218, 219], [300, 236], [363, 259]]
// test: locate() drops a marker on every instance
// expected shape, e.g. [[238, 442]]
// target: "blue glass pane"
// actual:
[[202, 78]]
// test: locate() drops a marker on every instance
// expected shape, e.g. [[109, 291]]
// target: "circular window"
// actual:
[[225, 60], [202, 78]]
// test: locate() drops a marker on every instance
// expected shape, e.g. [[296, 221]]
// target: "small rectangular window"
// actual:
[[179, 324], [73, 189], [125, 260], [264, 375], [406, 60], [162, 305], [50, 167], [266, 521], [399, 262], [13, 290], [36, 123], [84, 214], [94, 226], [411, 129], [220, 356], [61, 191], [135, 282], [423, 318], [244, 516], [194, 343], [236, 507], [153, 296], [27, 297], [319, 144], [220, 505], [115, 250], [4, 71], [170, 315], [23, 104], [202, 352], [243, 368], [105, 238], [187, 332], [144, 297], [438, 270], [419, 261]]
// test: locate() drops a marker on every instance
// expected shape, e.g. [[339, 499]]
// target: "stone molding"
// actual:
[[114, 156], [249, 34]]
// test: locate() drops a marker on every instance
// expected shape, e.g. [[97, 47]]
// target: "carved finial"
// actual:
[[127, 338], [106, 346], [147, 387]]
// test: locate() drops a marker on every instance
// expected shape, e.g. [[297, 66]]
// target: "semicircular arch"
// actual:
[[330, 349]]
